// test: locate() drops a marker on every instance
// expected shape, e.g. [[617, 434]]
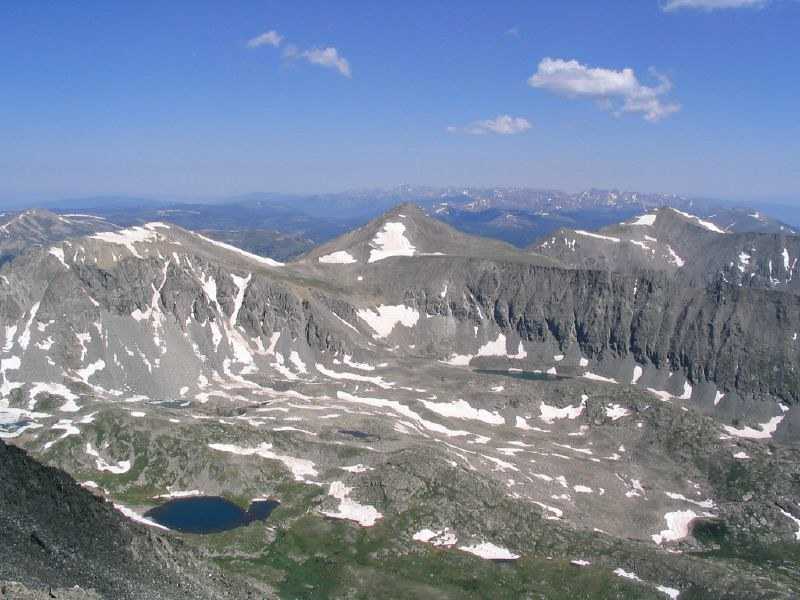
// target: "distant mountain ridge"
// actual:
[[721, 249], [39, 227], [516, 215]]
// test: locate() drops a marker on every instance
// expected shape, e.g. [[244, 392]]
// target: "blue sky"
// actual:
[[169, 99]]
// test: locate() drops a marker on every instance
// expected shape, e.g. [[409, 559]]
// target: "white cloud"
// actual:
[[325, 57], [617, 91], [712, 4], [328, 57], [501, 124], [270, 38]]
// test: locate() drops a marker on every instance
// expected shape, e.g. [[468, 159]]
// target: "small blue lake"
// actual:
[[208, 514]]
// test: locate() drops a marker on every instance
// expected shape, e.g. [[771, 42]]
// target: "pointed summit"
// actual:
[[407, 231]]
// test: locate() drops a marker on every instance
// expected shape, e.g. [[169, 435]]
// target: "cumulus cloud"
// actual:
[[327, 57], [501, 124], [617, 91], [270, 38], [709, 5]]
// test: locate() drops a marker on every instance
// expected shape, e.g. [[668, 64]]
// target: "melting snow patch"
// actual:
[[127, 237], [793, 518], [679, 262], [298, 363], [677, 526], [744, 261], [179, 494], [672, 593], [580, 562], [356, 468], [349, 509], [489, 551], [348, 360], [384, 319], [606, 238], [67, 427], [443, 537], [117, 469], [521, 423], [648, 219], [495, 348], [134, 516], [379, 381], [662, 395], [595, 377], [91, 369], [548, 413], [402, 410], [299, 467], [338, 258], [615, 411], [626, 574], [391, 241], [702, 504], [254, 257], [461, 409], [705, 224], [58, 252], [766, 431]]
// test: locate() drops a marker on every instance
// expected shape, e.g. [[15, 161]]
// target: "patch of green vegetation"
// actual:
[[317, 558]]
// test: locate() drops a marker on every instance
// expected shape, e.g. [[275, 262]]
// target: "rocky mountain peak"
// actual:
[[407, 231]]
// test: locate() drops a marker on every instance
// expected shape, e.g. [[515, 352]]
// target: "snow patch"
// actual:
[[461, 409], [489, 551], [349, 509], [595, 377], [677, 526], [391, 241], [300, 468], [765, 432], [647, 219], [441, 538], [598, 236], [705, 224], [340, 257], [385, 317], [254, 257], [548, 413], [615, 411]]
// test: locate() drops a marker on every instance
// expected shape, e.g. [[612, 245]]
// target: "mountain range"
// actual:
[[610, 413]]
